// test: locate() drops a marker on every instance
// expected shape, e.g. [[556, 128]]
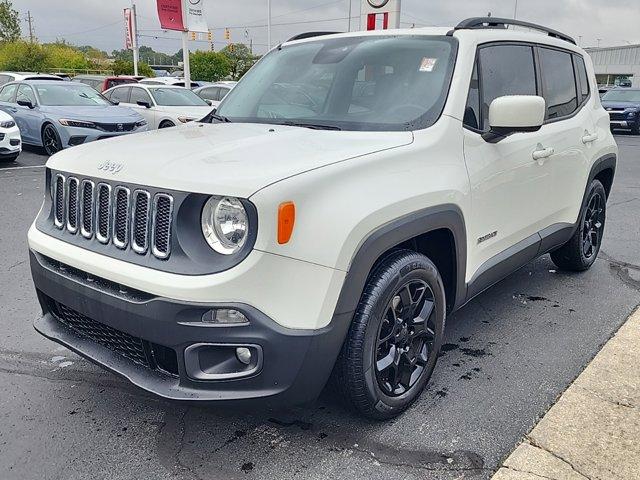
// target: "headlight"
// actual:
[[141, 123], [186, 119], [77, 123], [632, 114], [8, 124], [225, 224]]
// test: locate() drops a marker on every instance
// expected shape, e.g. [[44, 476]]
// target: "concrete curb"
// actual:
[[593, 431]]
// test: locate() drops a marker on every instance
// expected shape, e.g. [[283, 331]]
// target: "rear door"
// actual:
[[508, 187]]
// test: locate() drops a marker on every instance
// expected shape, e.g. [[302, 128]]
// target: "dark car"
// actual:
[[102, 82], [623, 105]]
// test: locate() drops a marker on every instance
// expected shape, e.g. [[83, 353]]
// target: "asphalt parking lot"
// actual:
[[509, 355]]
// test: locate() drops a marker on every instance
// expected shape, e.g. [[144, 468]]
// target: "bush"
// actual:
[[209, 66], [125, 67], [23, 56], [61, 56]]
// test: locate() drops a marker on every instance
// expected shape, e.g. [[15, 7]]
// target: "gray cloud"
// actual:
[[99, 22]]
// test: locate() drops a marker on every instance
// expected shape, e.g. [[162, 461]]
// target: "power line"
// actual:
[[84, 31]]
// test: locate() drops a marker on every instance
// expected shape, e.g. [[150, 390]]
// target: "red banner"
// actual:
[[170, 14], [128, 29]]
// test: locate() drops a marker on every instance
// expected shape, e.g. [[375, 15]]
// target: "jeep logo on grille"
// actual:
[[112, 167]]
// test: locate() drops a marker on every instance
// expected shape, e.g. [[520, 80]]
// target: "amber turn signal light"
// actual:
[[286, 221]]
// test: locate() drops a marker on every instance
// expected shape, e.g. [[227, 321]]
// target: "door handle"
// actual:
[[542, 153], [589, 137]]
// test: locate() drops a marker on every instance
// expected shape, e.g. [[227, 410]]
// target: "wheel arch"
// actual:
[[603, 169], [438, 232]]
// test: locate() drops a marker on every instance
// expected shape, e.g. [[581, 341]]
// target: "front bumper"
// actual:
[[295, 364], [72, 136], [10, 143]]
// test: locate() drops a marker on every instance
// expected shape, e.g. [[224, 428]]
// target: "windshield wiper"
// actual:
[[313, 126]]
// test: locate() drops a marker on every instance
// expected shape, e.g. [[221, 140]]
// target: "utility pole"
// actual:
[[32, 36], [515, 12], [134, 38], [269, 25], [350, 10]]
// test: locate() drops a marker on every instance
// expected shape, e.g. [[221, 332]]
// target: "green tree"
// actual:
[[60, 55], [209, 66], [23, 56], [125, 67], [9, 22], [240, 58]]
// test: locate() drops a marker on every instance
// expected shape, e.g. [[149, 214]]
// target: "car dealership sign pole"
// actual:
[[183, 16], [380, 14]]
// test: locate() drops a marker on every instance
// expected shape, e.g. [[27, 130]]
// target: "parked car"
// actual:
[[10, 141], [215, 92], [6, 77], [102, 82], [250, 255], [173, 81], [161, 105], [623, 105], [56, 115]]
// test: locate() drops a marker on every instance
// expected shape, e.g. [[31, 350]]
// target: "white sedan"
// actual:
[[10, 141], [161, 106]]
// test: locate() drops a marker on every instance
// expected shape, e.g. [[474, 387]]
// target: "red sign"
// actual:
[[170, 14], [128, 29]]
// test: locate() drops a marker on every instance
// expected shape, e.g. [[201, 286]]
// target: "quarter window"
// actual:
[[584, 78], [558, 83]]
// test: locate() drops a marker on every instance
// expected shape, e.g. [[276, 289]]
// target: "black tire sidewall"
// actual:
[[595, 188], [417, 267], [48, 125]]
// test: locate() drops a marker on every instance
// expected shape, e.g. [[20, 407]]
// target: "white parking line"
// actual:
[[20, 168]]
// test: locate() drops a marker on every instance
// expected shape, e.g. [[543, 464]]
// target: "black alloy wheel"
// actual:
[[51, 140], [593, 226], [405, 338]]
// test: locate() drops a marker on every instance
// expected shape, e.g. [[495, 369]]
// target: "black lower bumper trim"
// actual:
[[296, 363]]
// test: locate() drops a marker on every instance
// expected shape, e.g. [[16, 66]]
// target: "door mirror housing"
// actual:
[[26, 103], [210, 102], [514, 114], [144, 104]]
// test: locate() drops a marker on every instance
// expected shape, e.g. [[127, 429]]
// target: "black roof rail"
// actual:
[[302, 36], [494, 22]]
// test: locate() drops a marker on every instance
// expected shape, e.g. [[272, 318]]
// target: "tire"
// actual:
[[373, 353], [51, 140], [581, 251], [167, 124]]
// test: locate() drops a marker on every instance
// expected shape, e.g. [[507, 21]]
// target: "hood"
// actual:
[[186, 111], [620, 105], [98, 113], [236, 159]]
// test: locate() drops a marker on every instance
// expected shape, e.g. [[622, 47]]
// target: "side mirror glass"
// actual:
[[513, 114], [26, 103]]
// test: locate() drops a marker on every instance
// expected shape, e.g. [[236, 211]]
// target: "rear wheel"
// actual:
[[51, 140], [581, 251], [394, 340]]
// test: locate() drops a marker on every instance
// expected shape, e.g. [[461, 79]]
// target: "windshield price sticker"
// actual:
[[428, 64]]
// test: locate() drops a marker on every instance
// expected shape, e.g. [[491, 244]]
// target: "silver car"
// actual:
[[57, 115]]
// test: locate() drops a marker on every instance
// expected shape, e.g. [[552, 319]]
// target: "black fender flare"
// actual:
[[392, 234], [606, 162]]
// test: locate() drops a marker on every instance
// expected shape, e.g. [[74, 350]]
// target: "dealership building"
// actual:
[[616, 65]]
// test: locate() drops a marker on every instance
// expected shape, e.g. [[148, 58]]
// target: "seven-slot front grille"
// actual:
[[114, 214]]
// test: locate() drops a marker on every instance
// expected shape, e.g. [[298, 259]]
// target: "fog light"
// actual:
[[224, 316], [244, 355]]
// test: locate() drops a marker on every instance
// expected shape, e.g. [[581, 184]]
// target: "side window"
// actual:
[[558, 83], [140, 95], [504, 70], [209, 93], [8, 93], [581, 70], [25, 92], [120, 95], [472, 111], [4, 79]]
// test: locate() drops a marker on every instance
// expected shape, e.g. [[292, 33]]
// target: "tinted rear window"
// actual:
[[559, 84]]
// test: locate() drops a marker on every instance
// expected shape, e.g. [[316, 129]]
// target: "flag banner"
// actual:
[[170, 15], [128, 29], [195, 16]]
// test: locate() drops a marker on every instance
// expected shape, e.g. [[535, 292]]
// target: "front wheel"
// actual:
[[167, 124], [581, 251], [51, 140], [395, 337]]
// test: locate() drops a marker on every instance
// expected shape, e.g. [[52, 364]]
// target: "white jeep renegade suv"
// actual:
[[351, 191]]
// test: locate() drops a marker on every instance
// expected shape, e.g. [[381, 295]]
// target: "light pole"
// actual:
[[269, 25], [515, 11], [134, 38], [350, 9]]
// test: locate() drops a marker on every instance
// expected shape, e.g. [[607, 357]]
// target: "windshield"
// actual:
[[177, 97], [353, 83], [622, 96], [69, 95]]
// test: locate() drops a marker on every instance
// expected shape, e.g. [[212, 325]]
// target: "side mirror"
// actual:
[[210, 102], [143, 104], [26, 103], [513, 114]]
